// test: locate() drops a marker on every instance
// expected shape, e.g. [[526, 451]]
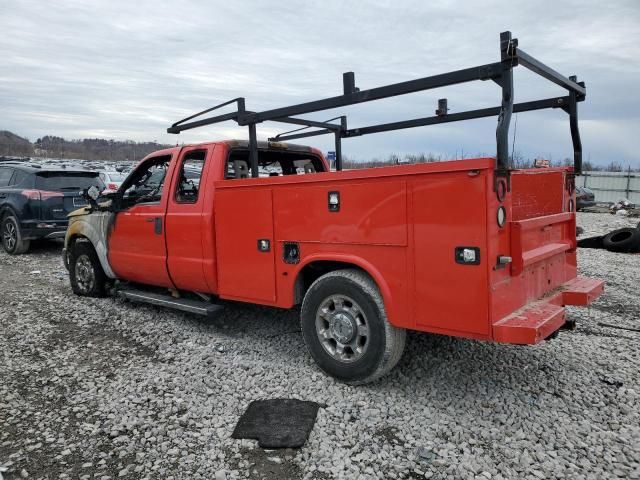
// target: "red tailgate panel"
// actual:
[[537, 192]]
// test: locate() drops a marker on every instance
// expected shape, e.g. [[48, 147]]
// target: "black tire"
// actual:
[[591, 242], [622, 240], [12, 240], [85, 272], [366, 353]]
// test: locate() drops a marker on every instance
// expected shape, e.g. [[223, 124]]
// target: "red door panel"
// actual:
[[137, 245], [448, 295], [370, 213], [244, 216]]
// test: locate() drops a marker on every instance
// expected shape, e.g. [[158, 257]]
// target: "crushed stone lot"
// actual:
[[101, 388]]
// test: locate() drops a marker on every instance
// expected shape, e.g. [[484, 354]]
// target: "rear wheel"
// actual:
[[12, 240], [345, 327], [85, 272]]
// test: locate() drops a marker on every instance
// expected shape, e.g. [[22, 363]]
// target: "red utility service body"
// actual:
[[400, 224]]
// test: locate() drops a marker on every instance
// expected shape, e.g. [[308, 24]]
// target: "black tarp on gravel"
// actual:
[[278, 422]]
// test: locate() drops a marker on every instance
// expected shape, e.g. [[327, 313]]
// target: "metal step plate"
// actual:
[[184, 304]]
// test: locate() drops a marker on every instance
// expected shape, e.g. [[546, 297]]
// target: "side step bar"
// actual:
[[184, 304]]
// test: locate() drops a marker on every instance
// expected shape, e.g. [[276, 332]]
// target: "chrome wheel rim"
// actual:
[[10, 235], [85, 275], [342, 328]]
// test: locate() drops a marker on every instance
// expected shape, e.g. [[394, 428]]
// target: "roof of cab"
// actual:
[[262, 145]]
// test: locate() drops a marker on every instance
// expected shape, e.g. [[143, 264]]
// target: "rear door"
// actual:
[[136, 244], [185, 220]]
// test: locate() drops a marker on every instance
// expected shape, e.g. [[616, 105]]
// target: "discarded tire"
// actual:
[[622, 240], [591, 242]]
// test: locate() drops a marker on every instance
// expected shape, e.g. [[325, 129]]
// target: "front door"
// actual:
[[136, 244]]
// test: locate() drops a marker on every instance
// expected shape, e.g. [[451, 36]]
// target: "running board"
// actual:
[[183, 304]]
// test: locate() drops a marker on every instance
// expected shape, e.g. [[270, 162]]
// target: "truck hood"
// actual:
[[79, 212], [87, 210]]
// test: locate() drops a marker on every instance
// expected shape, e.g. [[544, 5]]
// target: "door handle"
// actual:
[[3, 195], [157, 224]]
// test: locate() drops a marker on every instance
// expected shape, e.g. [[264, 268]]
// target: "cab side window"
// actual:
[[188, 184], [147, 183]]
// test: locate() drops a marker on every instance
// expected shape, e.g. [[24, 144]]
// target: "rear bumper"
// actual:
[[43, 229], [537, 320]]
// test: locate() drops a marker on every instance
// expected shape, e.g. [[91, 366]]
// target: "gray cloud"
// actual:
[[129, 69]]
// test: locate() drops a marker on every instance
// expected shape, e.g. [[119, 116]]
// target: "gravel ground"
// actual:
[[99, 388]]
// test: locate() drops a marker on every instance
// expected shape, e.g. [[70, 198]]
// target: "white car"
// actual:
[[112, 180]]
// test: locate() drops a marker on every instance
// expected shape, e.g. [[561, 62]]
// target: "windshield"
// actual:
[[56, 181]]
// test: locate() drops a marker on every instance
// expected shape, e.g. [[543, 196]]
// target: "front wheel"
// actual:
[[85, 272], [345, 327]]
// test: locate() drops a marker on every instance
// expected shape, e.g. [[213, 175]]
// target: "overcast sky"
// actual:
[[128, 69]]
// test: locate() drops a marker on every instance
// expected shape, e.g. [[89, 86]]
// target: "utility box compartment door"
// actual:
[[244, 218], [449, 211]]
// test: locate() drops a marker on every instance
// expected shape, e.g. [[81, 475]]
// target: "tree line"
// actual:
[[51, 146]]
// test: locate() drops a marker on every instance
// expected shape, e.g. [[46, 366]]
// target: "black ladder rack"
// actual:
[[500, 72]]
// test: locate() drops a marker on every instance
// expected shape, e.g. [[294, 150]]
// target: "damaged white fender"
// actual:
[[94, 226]]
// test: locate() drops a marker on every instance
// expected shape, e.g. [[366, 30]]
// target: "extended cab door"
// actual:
[[188, 216], [136, 243]]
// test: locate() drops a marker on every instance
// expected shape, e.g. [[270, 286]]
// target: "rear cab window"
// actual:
[[190, 174], [272, 163]]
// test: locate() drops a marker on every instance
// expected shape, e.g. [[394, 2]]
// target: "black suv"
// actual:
[[35, 200]]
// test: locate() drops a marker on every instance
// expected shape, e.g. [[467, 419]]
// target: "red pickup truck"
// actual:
[[470, 248]]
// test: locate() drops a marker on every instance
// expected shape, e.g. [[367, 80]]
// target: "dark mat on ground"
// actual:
[[278, 422], [591, 242]]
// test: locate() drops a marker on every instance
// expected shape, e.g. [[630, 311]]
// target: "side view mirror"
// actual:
[[92, 192]]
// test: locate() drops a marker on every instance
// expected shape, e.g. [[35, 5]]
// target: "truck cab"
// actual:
[[164, 229]]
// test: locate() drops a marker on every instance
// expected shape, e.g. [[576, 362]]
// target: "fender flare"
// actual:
[[365, 266], [7, 209], [83, 229]]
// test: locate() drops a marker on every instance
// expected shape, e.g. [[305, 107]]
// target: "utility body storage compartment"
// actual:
[[400, 225]]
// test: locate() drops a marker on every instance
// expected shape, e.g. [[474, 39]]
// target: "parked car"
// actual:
[[35, 201], [112, 180], [585, 198]]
